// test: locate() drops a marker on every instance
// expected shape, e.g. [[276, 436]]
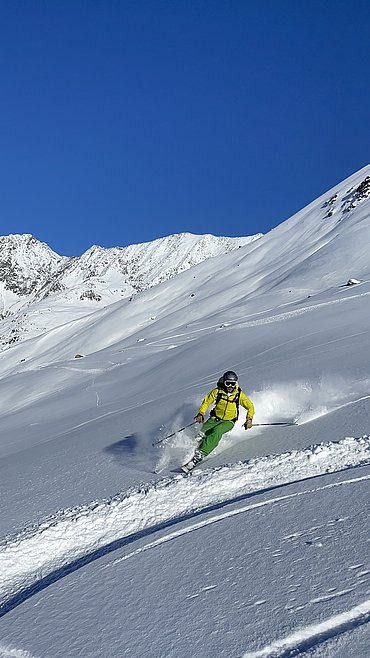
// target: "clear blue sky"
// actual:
[[123, 121]]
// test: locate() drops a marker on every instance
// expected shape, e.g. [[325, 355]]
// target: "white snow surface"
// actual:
[[40, 290], [106, 550]]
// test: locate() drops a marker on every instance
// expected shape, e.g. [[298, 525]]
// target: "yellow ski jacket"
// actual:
[[226, 405]]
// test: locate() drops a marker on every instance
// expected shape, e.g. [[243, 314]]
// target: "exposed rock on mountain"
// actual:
[[321, 246], [34, 279], [24, 263]]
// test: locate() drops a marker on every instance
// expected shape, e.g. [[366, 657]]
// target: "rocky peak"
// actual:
[[24, 262], [32, 276]]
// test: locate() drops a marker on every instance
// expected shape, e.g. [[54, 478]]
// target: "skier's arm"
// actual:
[[210, 397], [247, 404]]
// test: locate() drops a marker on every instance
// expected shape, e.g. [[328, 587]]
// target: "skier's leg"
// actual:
[[213, 429]]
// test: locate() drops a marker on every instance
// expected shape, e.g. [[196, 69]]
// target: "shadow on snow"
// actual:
[[36, 587]]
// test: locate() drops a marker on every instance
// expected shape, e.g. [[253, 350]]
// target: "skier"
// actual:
[[227, 396]]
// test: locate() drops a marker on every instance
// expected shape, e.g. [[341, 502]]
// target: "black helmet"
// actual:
[[230, 376]]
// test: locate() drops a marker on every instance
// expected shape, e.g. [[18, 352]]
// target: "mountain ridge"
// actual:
[[31, 273], [318, 249]]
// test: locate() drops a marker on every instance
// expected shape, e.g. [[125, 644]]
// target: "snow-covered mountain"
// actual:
[[40, 290], [35, 281], [106, 550], [25, 264]]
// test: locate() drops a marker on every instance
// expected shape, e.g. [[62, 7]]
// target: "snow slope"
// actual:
[[108, 551], [40, 290]]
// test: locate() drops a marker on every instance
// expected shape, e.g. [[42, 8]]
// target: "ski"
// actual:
[[186, 468], [194, 461]]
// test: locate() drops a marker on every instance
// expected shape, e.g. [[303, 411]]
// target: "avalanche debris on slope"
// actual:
[[85, 533]]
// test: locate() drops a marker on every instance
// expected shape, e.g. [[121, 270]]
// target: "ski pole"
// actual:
[[260, 424], [156, 443]]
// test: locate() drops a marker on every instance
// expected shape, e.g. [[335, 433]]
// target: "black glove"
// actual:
[[248, 424], [199, 418]]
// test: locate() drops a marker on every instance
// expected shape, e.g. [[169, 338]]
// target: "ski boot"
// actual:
[[196, 459]]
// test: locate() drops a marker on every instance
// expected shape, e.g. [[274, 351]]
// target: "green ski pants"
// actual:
[[213, 429]]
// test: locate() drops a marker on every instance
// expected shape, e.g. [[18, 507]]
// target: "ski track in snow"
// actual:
[[269, 319], [225, 515], [70, 539], [310, 636], [305, 638]]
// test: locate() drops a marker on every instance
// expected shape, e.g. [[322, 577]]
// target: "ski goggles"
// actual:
[[230, 384]]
